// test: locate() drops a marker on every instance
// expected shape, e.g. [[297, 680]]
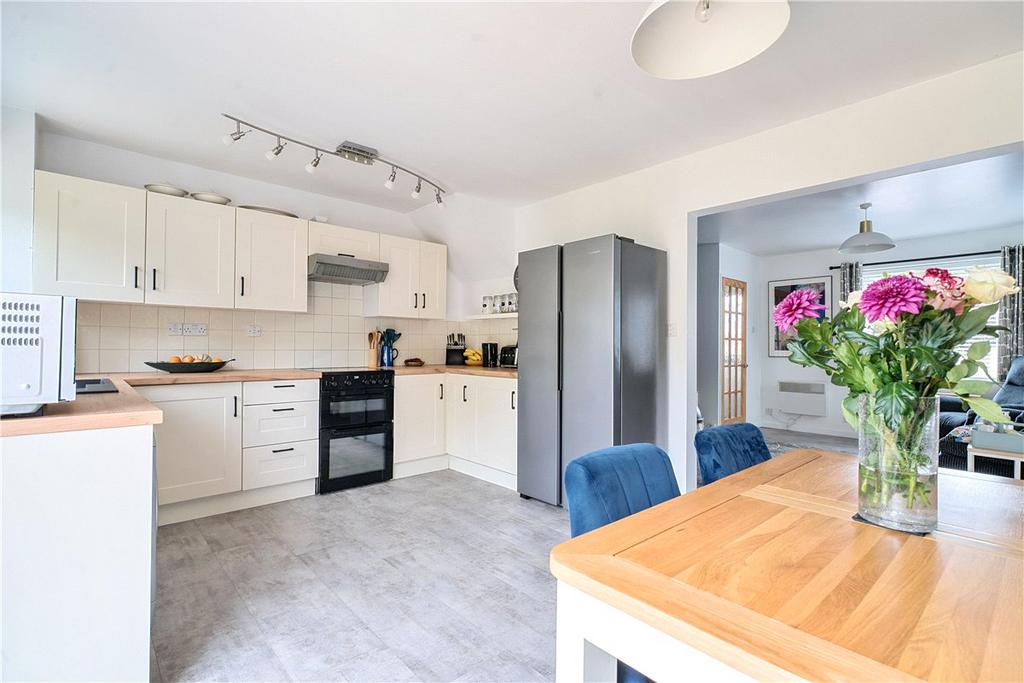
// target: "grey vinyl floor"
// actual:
[[439, 577]]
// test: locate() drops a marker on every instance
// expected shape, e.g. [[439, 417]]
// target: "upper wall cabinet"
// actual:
[[334, 239], [190, 252], [89, 238], [270, 261], [416, 285]]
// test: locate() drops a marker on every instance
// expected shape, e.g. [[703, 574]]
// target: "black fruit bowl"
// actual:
[[188, 367]]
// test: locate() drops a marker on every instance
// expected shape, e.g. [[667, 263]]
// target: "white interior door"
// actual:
[[89, 238], [433, 280], [190, 252], [270, 261]]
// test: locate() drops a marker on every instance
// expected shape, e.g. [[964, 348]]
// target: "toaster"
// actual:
[[37, 348], [509, 357]]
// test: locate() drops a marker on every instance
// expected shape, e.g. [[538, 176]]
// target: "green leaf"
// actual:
[[986, 409], [894, 401], [936, 333], [974, 387], [851, 411], [870, 379], [979, 350], [974, 321], [866, 341], [958, 372]]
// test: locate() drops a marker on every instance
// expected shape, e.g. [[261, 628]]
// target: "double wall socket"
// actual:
[[186, 329]]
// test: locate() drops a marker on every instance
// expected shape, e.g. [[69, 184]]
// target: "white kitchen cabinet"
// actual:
[[416, 284], [89, 238], [420, 416], [495, 399], [460, 416], [279, 464], [336, 240], [270, 261], [190, 252], [199, 443], [280, 423]]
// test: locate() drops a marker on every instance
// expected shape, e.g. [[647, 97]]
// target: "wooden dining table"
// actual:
[[765, 575]]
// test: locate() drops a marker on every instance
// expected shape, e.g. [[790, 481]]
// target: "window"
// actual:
[[957, 265]]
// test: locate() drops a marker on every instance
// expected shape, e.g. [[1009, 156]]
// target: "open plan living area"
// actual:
[[512, 342]]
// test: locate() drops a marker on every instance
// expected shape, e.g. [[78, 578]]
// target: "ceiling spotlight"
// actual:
[[866, 241], [437, 198], [232, 138], [390, 182], [703, 11], [272, 153], [311, 166], [419, 186]]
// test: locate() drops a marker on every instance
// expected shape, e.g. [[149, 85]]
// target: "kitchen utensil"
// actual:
[[211, 197], [162, 188], [489, 351], [265, 209], [188, 367]]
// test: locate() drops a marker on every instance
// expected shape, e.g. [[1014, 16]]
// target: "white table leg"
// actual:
[[1016, 469], [970, 459], [576, 659]]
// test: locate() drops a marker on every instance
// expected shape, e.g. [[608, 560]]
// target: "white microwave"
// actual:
[[37, 351]]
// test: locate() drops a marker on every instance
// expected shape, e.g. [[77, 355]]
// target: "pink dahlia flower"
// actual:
[[946, 291], [890, 297], [798, 304]]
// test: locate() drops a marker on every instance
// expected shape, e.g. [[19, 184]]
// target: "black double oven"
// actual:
[[356, 436]]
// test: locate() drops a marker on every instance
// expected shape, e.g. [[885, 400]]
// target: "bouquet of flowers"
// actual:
[[892, 345]]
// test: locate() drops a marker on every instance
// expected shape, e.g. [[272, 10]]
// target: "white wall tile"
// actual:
[[320, 289], [264, 319], [284, 341], [284, 359], [198, 315], [303, 322], [87, 337], [145, 316], [115, 314], [263, 359], [264, 342], [243, 358], [303, 340], [355, 307], [240, 339], [284, 322], [339, 323], [339, 306], [358, 359], [221, 319], [87, 360], [171, 314], [339, 358], [322, 358], [240, 320], [322, 323], [220, 338], [137, 361], [304, 358], [88, 313], [143, 338], [112, 337], [114, 360], [322, 341]]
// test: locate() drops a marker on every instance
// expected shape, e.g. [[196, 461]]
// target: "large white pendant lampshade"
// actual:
[[866, 241], [680, 39]]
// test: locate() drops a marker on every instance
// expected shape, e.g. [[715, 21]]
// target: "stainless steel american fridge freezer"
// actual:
[[592, 328]]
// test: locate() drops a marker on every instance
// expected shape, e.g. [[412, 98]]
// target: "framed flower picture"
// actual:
[[778, 290]]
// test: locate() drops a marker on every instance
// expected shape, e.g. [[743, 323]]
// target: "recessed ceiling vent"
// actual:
[[344, 269]]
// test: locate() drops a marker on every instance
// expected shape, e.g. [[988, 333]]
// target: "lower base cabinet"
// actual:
[[481, 420], [199, 443], [279, 464], [419, 416]]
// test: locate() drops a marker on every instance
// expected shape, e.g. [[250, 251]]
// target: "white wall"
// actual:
[[955, 115], [18, 149], [816, 263]]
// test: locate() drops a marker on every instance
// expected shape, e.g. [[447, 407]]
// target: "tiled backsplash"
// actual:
[[121, 337]]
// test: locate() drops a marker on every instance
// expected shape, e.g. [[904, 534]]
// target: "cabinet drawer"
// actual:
[[281, 391], [280, 423], [279, 463]]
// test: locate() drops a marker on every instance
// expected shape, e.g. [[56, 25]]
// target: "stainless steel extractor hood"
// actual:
[[345, 270]]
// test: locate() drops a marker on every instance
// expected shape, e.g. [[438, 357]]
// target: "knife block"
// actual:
[[453, 355]]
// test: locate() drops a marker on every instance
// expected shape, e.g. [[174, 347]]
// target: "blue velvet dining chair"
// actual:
[[607, 485], [727, 449]]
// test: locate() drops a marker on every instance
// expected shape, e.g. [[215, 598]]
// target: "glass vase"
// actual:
[[898, 473]]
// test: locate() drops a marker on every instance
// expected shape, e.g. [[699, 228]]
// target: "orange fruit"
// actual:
[[188, 359], [217, 360], [174, 359]]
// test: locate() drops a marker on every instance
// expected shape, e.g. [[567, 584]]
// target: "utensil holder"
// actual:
[[373, 359]]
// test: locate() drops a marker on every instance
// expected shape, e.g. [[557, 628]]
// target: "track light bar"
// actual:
[[352, 151]]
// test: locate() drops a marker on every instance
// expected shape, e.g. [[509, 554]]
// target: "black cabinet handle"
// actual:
[[513, 400], [136, 277], [154, 279], [282, 450], [243, 286], [284, 386], [424, 301], [442, 390], [349, 255], [463, 393], [236, 406], [281, 410], [416, 300]]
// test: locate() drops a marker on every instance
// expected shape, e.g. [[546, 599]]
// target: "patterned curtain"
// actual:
[[849, 279], [1011, 311]]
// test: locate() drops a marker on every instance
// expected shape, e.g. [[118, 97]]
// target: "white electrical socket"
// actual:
[[174, 329], [255, 331], [672, 330], [194, 329]]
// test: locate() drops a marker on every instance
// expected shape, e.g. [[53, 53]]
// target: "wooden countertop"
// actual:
[[457, 370], [766, 571], [157, 378]]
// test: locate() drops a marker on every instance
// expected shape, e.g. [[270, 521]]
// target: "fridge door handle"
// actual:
[[560, 345]]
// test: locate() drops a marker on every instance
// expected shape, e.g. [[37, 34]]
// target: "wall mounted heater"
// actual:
[[800, 398]]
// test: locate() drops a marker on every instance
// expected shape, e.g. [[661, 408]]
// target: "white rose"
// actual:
[[852, 300], [988, 285]]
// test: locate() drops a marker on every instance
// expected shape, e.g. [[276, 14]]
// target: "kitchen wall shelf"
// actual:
[[493, 316]]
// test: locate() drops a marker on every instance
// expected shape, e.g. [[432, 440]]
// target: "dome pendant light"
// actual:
[[677, 40], [866, 241]]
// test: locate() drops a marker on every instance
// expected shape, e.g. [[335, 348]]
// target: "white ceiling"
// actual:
[[508, 101], [953, 200]]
